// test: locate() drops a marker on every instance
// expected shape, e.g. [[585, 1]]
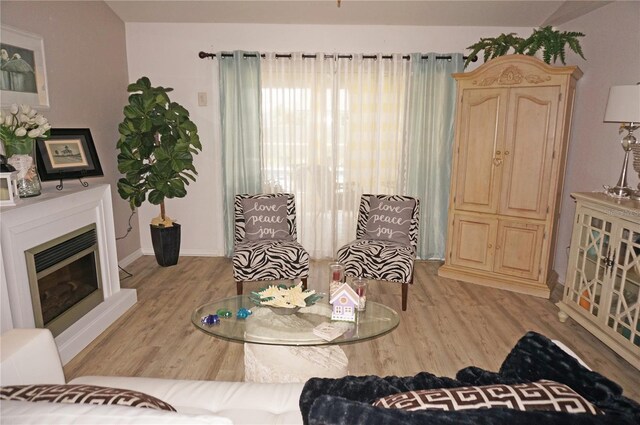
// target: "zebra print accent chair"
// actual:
[[380, 259], [267, 259]]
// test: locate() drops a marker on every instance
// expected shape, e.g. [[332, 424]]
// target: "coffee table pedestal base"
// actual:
[[276, 363]]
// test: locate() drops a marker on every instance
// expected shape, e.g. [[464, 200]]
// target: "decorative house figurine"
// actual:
[[344, 302]]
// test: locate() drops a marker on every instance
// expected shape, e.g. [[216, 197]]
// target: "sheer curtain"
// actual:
[[429, 141], [240, 131], [332, 129]]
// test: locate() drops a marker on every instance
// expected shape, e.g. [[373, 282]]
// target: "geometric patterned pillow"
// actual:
[[540, 395], [79, 394]]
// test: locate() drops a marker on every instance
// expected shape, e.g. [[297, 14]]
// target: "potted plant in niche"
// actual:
[[551, 42], [156, 147]]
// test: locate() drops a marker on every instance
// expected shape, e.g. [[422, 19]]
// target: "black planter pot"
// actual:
[[166, 244]]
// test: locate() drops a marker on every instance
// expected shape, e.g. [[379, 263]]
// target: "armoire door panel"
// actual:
[[528, 151], [473, 242], [481, 134], [518, 249]]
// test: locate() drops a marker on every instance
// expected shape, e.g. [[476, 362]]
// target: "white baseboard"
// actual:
[[188, 252], [130, 258], [200, 253], [75, 338]]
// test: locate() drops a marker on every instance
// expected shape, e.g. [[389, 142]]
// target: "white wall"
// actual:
[[86, 65], [167, 54], [612, 50]]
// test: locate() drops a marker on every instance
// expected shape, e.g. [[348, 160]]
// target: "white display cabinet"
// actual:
[[602, 288]]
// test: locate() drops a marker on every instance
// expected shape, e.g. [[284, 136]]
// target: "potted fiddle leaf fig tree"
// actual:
[[156, 147]]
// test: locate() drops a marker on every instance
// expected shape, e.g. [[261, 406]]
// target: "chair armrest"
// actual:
[[29, 356]]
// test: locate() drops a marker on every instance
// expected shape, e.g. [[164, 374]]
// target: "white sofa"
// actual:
[[30, 356]]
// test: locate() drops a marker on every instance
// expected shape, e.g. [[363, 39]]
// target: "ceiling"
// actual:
[[520, 13]]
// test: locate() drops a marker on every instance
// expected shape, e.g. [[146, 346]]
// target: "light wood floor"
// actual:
[[448, 325]]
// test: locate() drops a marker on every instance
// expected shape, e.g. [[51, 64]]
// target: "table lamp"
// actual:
[[623, 107]]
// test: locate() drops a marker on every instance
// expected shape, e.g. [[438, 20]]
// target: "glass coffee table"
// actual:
[[283, 348]]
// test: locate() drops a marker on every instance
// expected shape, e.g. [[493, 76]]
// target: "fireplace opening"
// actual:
[[64, 279]]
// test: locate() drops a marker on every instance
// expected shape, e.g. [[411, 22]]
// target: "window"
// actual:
[[331, 131]]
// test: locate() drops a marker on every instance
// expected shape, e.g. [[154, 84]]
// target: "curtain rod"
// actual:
[[204, 55]]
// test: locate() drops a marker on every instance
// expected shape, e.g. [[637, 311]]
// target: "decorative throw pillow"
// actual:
[[389, 220], [82, 394], [540, 395], [266, 218]]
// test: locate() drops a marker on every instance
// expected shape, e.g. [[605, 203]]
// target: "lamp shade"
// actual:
[[623, 104]]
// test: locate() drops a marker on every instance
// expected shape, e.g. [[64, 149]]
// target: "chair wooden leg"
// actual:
[[304, 283], [239, 287], [405, 291]]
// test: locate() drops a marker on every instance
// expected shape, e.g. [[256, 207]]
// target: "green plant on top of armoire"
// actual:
[[157, 144], [551, 42]]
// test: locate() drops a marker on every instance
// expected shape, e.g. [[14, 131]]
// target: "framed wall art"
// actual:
[[69, 153], [24, 76]]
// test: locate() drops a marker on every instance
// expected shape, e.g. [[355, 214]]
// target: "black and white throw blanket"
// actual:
[[348, 400]]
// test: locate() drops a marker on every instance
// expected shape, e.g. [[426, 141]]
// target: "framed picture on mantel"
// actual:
[[23, 77], [69, 153]]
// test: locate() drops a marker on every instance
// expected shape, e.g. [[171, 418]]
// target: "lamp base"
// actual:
[[635, 195], [618, 191]]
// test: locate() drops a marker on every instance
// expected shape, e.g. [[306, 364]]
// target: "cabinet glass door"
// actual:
[[584, 285], [624, 309]]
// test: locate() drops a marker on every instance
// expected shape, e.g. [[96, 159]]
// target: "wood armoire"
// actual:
[[513, 119]]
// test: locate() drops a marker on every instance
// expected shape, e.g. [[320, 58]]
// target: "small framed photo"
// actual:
[[69, 153], [23, 73]]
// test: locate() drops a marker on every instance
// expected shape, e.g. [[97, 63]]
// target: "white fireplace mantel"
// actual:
[[40, 219]]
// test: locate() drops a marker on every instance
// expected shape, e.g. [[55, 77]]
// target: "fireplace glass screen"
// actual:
[[66, 286], [64, 278]]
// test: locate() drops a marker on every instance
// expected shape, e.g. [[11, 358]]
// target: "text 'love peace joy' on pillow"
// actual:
[[266, 218], [540, 395], [83, 394], [389, 220]]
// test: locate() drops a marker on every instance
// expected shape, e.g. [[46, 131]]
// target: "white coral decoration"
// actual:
[[289, 297]]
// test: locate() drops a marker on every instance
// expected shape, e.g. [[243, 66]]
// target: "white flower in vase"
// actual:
[[20, 126]]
